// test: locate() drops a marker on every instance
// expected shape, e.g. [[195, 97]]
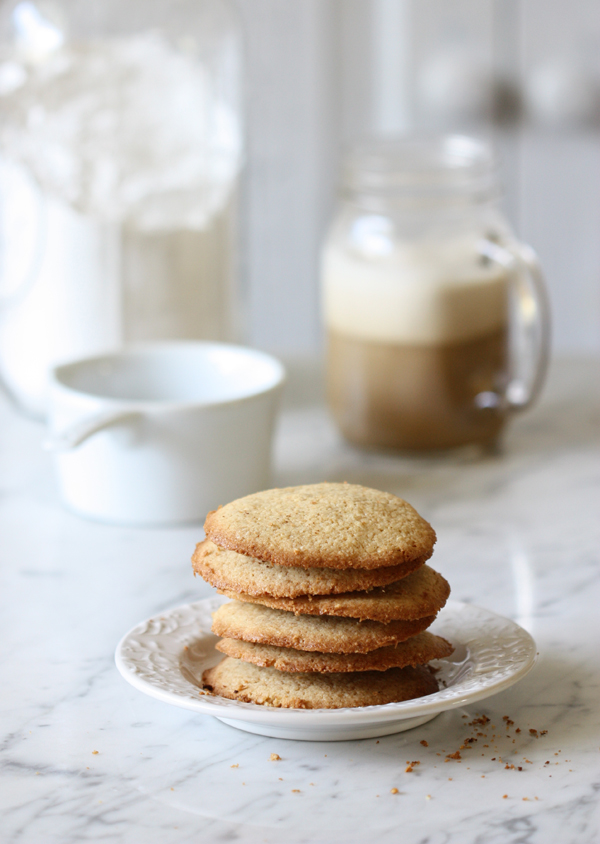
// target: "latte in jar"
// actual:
[[414, 338], [436, 316]]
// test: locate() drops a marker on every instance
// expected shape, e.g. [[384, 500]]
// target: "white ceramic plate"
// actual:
[[164, 657]]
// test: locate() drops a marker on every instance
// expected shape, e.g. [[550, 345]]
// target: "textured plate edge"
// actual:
[[207, 705]]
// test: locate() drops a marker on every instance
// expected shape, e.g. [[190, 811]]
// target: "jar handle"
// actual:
[[530, 327]]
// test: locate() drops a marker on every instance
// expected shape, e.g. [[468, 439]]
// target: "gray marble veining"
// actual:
[[86, 758]]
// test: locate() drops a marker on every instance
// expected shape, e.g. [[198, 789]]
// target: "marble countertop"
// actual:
[[84, 757]]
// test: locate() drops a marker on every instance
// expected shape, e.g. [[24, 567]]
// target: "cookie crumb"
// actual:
[[504, 796], [424, 743], [274, 757], [394, 791], [295, 791], [94, 752], [428, 797]]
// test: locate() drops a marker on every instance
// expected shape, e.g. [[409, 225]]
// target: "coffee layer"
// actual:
[[413, 396]]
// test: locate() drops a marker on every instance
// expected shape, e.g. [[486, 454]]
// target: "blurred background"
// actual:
[[169, 169], [320, 73]]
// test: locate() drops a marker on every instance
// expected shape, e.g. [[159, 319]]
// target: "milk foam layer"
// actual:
[[432, 294]]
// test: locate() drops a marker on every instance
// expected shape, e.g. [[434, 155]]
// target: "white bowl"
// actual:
[[164, 432]]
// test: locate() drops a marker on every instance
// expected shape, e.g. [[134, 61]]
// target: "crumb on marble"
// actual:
[[424, 743], [235, 766], [394, 791], [428, 797], [504, 796], [274, 757], [295, 791], [94, 752]]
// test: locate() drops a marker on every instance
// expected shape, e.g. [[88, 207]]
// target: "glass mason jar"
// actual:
[[121, 142], [436, 317]]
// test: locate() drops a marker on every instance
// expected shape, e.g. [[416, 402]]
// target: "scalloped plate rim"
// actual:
[[311, 718]]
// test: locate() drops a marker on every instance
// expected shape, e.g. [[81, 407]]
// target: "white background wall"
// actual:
[[321, 72]]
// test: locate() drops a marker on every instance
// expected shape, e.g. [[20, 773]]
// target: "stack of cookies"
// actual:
[[331, 594]]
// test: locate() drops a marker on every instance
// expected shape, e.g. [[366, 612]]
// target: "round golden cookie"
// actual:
[[256, 623], [328, 525], [229, 570], [238, 680], [422, 593], [418, 650]]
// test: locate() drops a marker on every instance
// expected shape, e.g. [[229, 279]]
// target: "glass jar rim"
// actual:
[[422, 168]]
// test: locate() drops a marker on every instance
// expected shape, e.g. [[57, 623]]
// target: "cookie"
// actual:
[[418, 650], [422, 593], [229, 570], [256, 623], [238, 680], [327, 525]]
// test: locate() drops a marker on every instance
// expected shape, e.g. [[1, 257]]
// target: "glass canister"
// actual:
[[121, 142], [436, 316]]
